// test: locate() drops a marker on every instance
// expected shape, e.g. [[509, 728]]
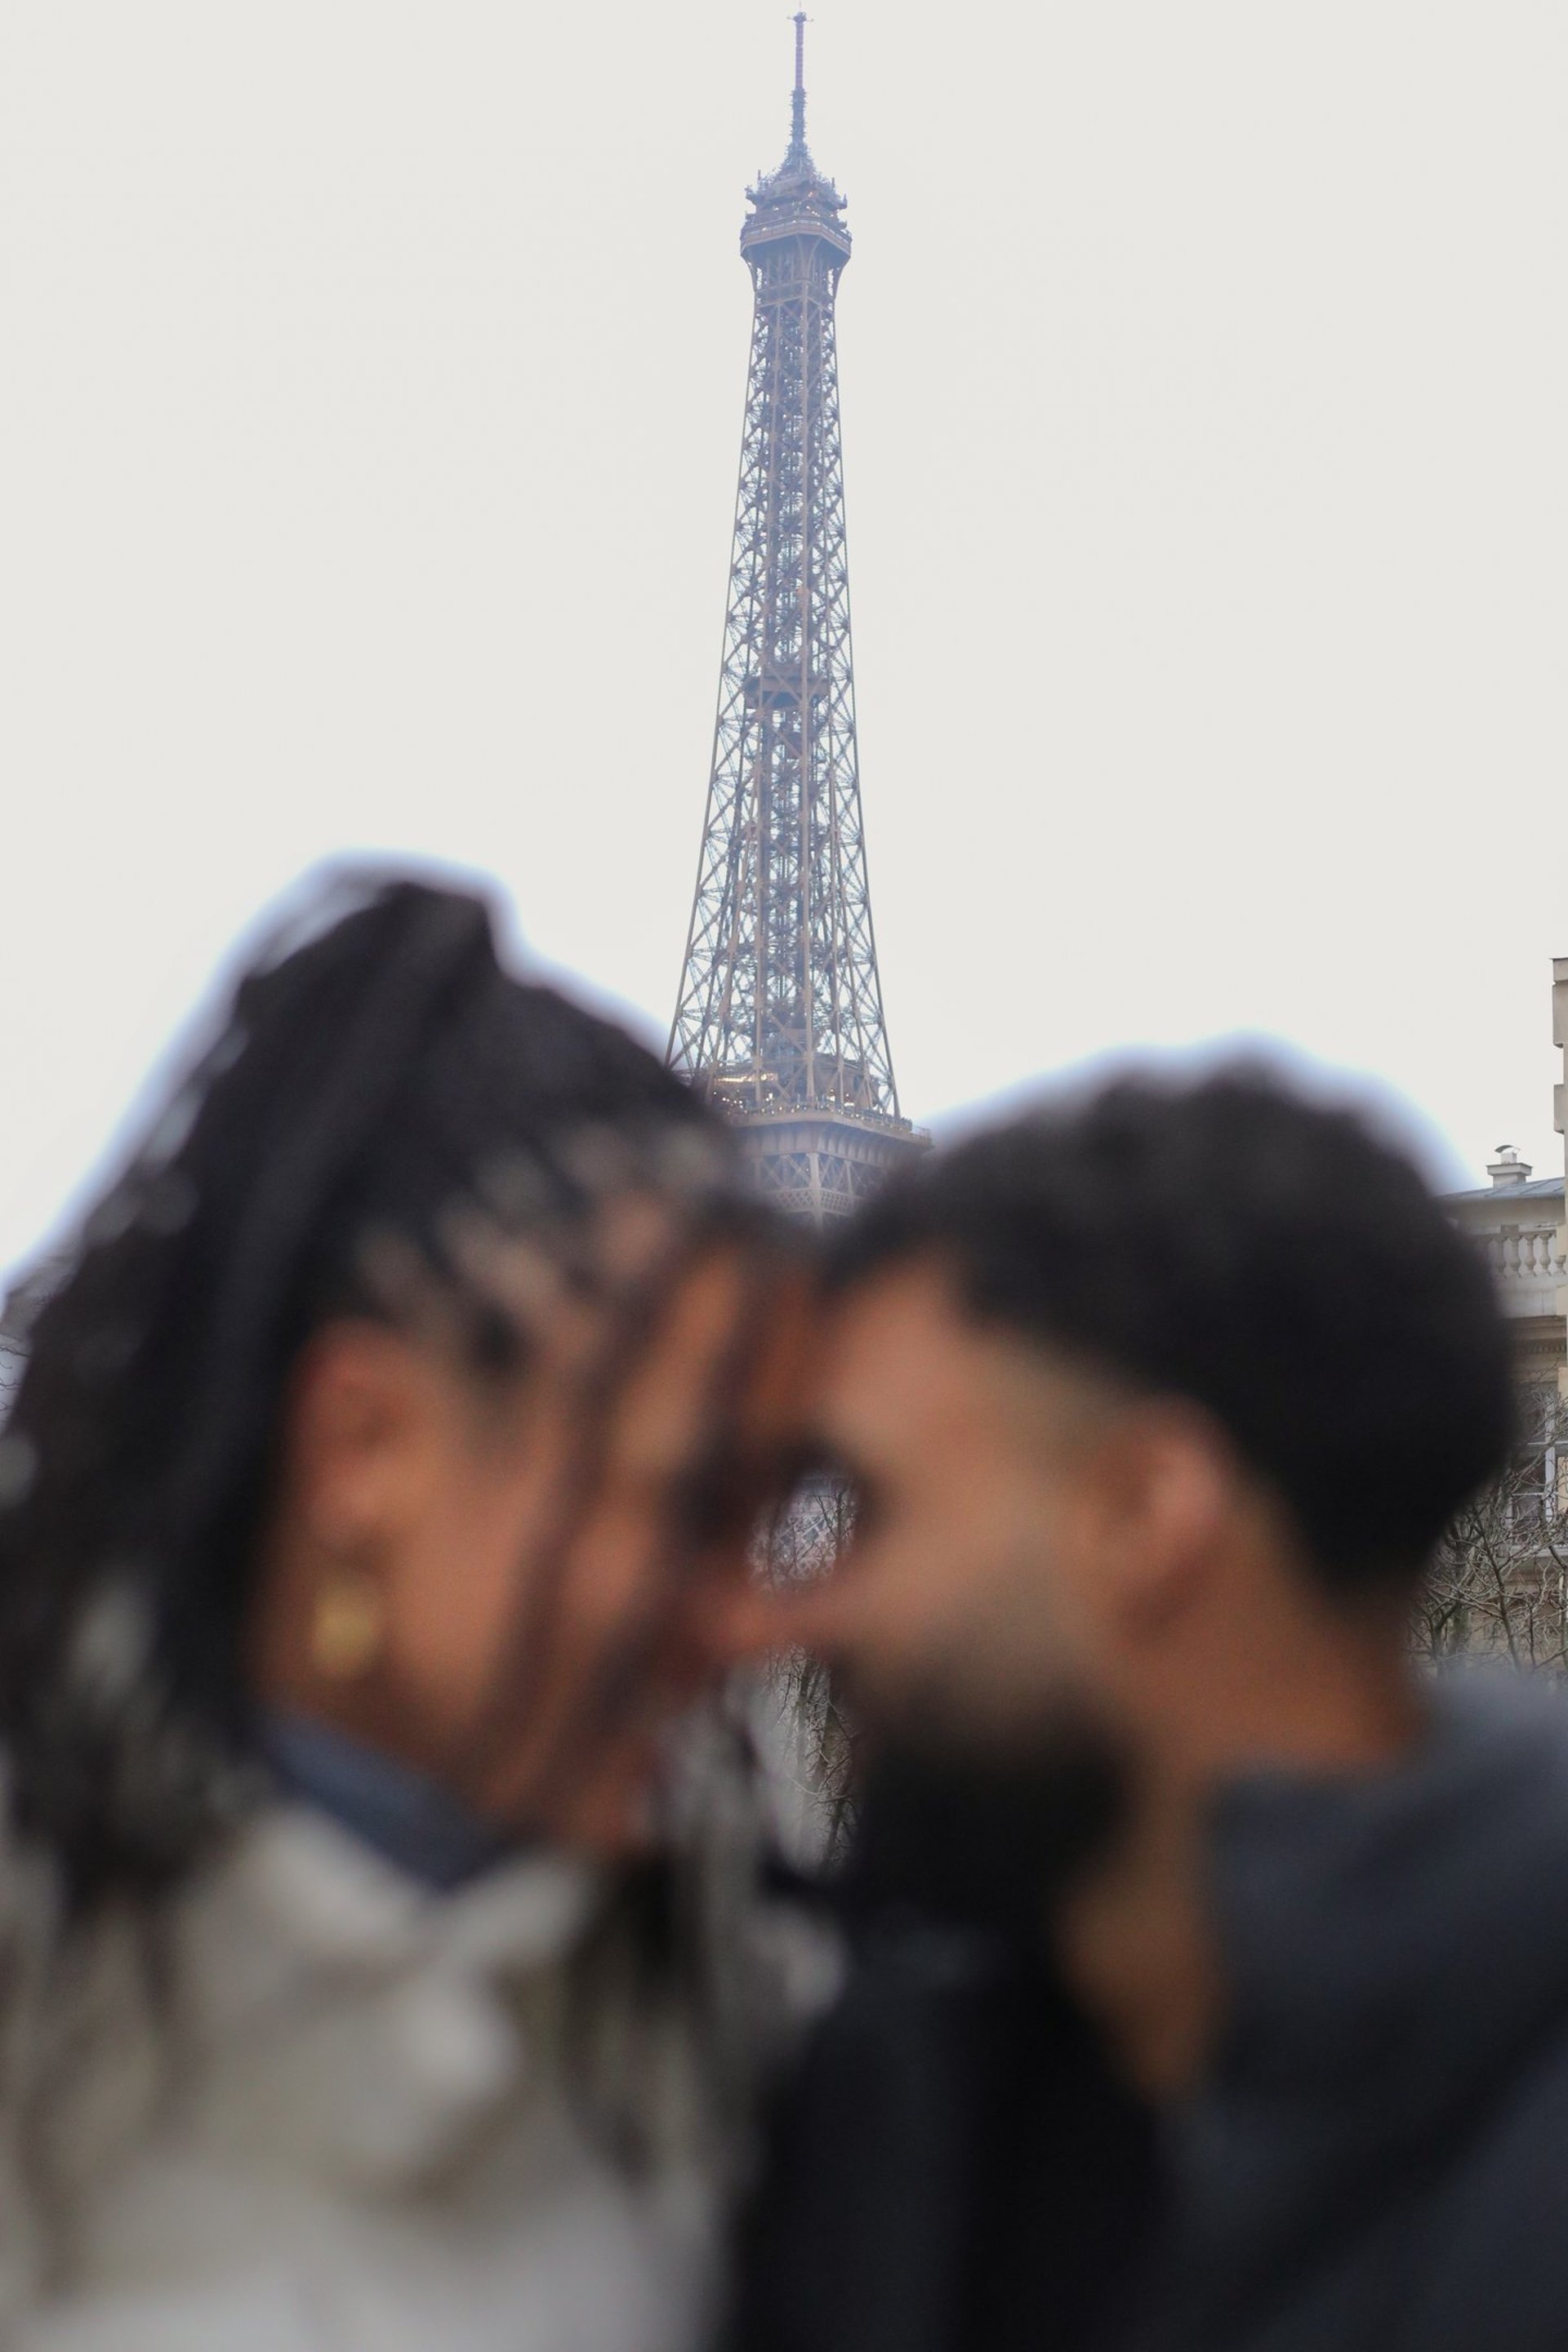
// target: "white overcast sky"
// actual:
[[370, 397]]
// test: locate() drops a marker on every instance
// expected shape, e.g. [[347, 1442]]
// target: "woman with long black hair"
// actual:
[[407, 1403]]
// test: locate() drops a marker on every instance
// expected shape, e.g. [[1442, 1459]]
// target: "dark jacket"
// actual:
[[1379, 2161], [954, 2163]]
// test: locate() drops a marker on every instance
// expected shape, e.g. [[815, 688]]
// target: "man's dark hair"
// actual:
[[1269, 1257]]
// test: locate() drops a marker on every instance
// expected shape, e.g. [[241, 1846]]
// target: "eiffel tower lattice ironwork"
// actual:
[[780, 1014]]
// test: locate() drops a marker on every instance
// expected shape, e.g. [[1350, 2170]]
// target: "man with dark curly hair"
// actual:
[[1156, 1403]]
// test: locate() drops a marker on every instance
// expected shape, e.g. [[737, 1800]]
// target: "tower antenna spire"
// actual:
[[797, 103]]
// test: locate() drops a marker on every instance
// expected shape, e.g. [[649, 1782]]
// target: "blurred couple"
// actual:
[[390, 1952]]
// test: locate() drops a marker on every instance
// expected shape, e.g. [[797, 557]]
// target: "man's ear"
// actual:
[[1164, 1486], [359, 1438]]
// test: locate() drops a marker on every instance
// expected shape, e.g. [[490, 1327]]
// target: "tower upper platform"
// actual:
[[797, 200]]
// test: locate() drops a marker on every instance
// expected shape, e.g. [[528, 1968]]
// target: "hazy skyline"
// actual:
[[368, 433]]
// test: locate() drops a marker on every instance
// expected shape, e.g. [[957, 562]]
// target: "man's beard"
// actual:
[[985, 1839]]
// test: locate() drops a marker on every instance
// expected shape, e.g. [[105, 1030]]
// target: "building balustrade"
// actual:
[[1530, 1263]]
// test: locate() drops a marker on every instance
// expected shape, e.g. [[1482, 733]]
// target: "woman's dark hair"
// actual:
[[378, 1072], [1271, 1258]]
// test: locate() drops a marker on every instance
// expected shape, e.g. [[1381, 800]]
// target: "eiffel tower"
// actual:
[[780, 1014]]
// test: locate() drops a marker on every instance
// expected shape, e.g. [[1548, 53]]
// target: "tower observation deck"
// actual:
[[780, 1012]]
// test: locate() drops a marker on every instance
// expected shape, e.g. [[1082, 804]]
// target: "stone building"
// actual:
[[1498, 1579], [1519, 1221]]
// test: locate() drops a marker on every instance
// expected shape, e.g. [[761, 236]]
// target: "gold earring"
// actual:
[[347, 1626]]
